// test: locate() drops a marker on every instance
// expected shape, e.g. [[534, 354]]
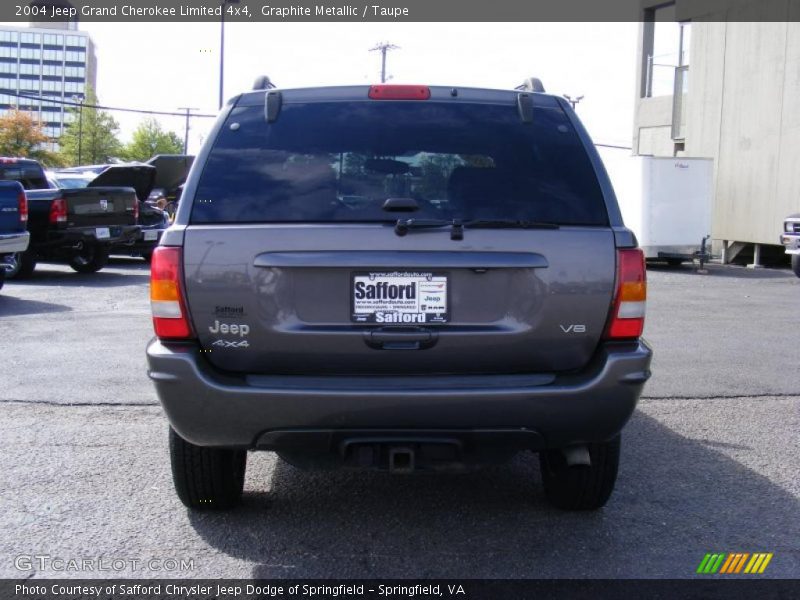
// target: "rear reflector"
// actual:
[[170, 317], [399, 92], [22, 207], [628, 310]]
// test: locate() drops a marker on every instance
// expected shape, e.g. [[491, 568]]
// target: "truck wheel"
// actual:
[[206, 478], [23, 264], [796, 264], [581, 487], [91, 259]]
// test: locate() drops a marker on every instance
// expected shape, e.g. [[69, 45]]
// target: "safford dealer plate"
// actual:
[[399, 297]]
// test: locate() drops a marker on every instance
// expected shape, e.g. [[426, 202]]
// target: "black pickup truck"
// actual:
[[76, 225], [169, 171]]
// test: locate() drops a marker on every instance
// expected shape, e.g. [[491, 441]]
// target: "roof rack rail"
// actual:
[[263, 82], [531, 84]]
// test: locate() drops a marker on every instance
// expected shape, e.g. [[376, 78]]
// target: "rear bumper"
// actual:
[[791, 242], [209, 408], [14, 242], [117, 234], [145, 241]]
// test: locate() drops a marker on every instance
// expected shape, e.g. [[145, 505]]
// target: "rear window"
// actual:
[[339, 162], [72, 182], [30, 175]]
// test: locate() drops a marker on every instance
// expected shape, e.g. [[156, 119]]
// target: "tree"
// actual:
[[92, 136], [150, 139], [22, 136]]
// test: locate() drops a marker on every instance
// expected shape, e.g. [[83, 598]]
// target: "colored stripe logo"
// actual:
[[734, 563]]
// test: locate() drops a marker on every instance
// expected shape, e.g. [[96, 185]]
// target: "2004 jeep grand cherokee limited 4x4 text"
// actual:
[[398, 277]]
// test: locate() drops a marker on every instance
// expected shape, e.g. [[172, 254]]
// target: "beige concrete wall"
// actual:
[[652, 133]]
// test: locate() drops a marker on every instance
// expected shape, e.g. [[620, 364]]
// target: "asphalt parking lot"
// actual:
[[710, 460]]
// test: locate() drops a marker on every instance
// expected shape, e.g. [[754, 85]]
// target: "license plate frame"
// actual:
[[102, 233], [150, 236], [402, 310]]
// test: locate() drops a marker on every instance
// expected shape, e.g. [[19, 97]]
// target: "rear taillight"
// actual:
[[627, 317], [136, 211], [58, 211], [170, 317], [22, 207], [399, 92]]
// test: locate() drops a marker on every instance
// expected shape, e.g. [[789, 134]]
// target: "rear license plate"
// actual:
[[103, 233], [149, 236], [399, 297]]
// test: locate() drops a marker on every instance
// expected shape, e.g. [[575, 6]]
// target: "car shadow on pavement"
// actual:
[[42, 276], [11, 306], [730, 271], [676, 499]]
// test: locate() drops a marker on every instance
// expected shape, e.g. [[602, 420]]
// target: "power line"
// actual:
[[614, 146], [55, 100]]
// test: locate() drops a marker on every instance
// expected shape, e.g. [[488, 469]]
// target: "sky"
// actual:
[[164, 66]]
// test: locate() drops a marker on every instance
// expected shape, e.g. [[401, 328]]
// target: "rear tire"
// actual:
[[581, 487], [25, 263], [90, 260], [2, 278], [674, 262], [796, 264], [206, 478], [147, 255]]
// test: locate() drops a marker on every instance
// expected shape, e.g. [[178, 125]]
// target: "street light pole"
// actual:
[[221, 52], [222, 47]]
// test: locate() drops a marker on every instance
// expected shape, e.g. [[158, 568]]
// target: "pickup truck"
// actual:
[[170, 172], [76, 225], [790, 238], [14, 237]]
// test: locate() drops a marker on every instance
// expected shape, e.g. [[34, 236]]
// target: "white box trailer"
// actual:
[[667, 202]]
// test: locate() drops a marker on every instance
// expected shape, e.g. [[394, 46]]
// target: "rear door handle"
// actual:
[[400, 339]]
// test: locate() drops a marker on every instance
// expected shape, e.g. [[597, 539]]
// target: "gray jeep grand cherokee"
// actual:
[[401, 278]]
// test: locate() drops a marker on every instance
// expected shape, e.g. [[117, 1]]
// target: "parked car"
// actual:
[[73, 224], [170, 172], [14, 237], [791, 239], [152, 221], [394, 332]]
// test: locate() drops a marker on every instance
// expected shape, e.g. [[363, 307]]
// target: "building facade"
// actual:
[[42, 67], [726, 85]]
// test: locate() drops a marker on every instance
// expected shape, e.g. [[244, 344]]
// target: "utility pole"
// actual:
[[188, 110], [573, 101], [384, 47], [80, 100]]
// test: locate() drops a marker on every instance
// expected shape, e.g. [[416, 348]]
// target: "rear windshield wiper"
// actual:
[[403, 226]]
